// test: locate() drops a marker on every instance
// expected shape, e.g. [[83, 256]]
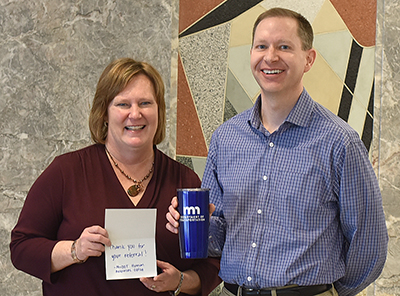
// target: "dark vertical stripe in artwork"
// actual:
[[353, 66], [369, 121], [345, 104], [350, 80], [371, 100]]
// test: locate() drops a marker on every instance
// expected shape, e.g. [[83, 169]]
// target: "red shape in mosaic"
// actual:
[[189, 134], [360, 17], [191, 11]]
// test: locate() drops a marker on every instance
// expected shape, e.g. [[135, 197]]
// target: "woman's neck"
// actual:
[[131, 156]]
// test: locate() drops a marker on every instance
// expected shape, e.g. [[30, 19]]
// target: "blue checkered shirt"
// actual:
[[299, 206]]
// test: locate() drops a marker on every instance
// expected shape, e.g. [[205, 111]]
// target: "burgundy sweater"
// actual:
[[72, 194]]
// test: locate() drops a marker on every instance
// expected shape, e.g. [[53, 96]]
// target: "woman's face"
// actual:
[[133, 115]]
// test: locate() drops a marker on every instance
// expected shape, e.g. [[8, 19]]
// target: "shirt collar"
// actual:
[[300, 114]]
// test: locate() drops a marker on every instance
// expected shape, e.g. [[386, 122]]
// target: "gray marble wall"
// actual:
[[386, 145], [52, 53]]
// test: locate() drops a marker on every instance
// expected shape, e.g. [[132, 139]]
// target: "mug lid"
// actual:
[[193, 189]]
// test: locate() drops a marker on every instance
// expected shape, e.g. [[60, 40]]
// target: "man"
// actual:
[[297, 203]]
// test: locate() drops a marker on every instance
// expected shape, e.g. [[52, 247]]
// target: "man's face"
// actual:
[[277, 59]]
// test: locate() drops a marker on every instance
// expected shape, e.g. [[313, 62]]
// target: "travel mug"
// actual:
[[194, 222]]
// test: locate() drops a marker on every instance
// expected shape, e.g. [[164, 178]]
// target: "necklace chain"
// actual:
[[138, 184]]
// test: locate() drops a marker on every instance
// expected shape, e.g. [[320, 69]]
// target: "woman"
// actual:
[[60, 236]]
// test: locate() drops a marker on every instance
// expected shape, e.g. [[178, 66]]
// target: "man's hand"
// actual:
[[173, 215]]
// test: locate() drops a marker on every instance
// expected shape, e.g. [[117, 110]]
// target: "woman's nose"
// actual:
[[134, 112]]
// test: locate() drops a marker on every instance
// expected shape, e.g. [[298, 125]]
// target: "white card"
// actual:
[[133, 250]]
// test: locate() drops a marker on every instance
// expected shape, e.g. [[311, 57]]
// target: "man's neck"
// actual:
[[275, 109]]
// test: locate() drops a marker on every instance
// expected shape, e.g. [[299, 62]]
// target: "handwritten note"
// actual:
[[133, 250]]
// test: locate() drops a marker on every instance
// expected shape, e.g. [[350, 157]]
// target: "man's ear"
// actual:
[[310, 59]]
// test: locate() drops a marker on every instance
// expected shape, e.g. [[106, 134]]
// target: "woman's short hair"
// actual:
[[304, 30], [115, 77]]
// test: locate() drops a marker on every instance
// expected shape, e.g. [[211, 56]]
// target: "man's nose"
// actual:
[[271, 55]]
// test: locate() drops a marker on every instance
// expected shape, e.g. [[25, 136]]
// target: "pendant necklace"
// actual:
[[138, 184]]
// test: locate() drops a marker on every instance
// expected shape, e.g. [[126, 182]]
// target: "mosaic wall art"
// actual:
[[214, 77]]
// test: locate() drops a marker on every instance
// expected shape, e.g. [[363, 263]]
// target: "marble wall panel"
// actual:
[[386, 144], [52, 53]]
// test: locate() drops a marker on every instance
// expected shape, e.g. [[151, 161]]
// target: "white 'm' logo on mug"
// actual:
[[191, 210]]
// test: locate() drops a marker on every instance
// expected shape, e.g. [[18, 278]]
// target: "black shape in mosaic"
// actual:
[[369, 121], [353, 66], [223, 13], [345, 104], [350, 81]]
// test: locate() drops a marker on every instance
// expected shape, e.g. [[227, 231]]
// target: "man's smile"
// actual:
[[272, 71]]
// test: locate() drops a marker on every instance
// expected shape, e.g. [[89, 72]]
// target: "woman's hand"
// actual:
[[92, 242], [168, 280]]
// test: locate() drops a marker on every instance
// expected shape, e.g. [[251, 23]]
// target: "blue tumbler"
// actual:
[[194, 222]]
